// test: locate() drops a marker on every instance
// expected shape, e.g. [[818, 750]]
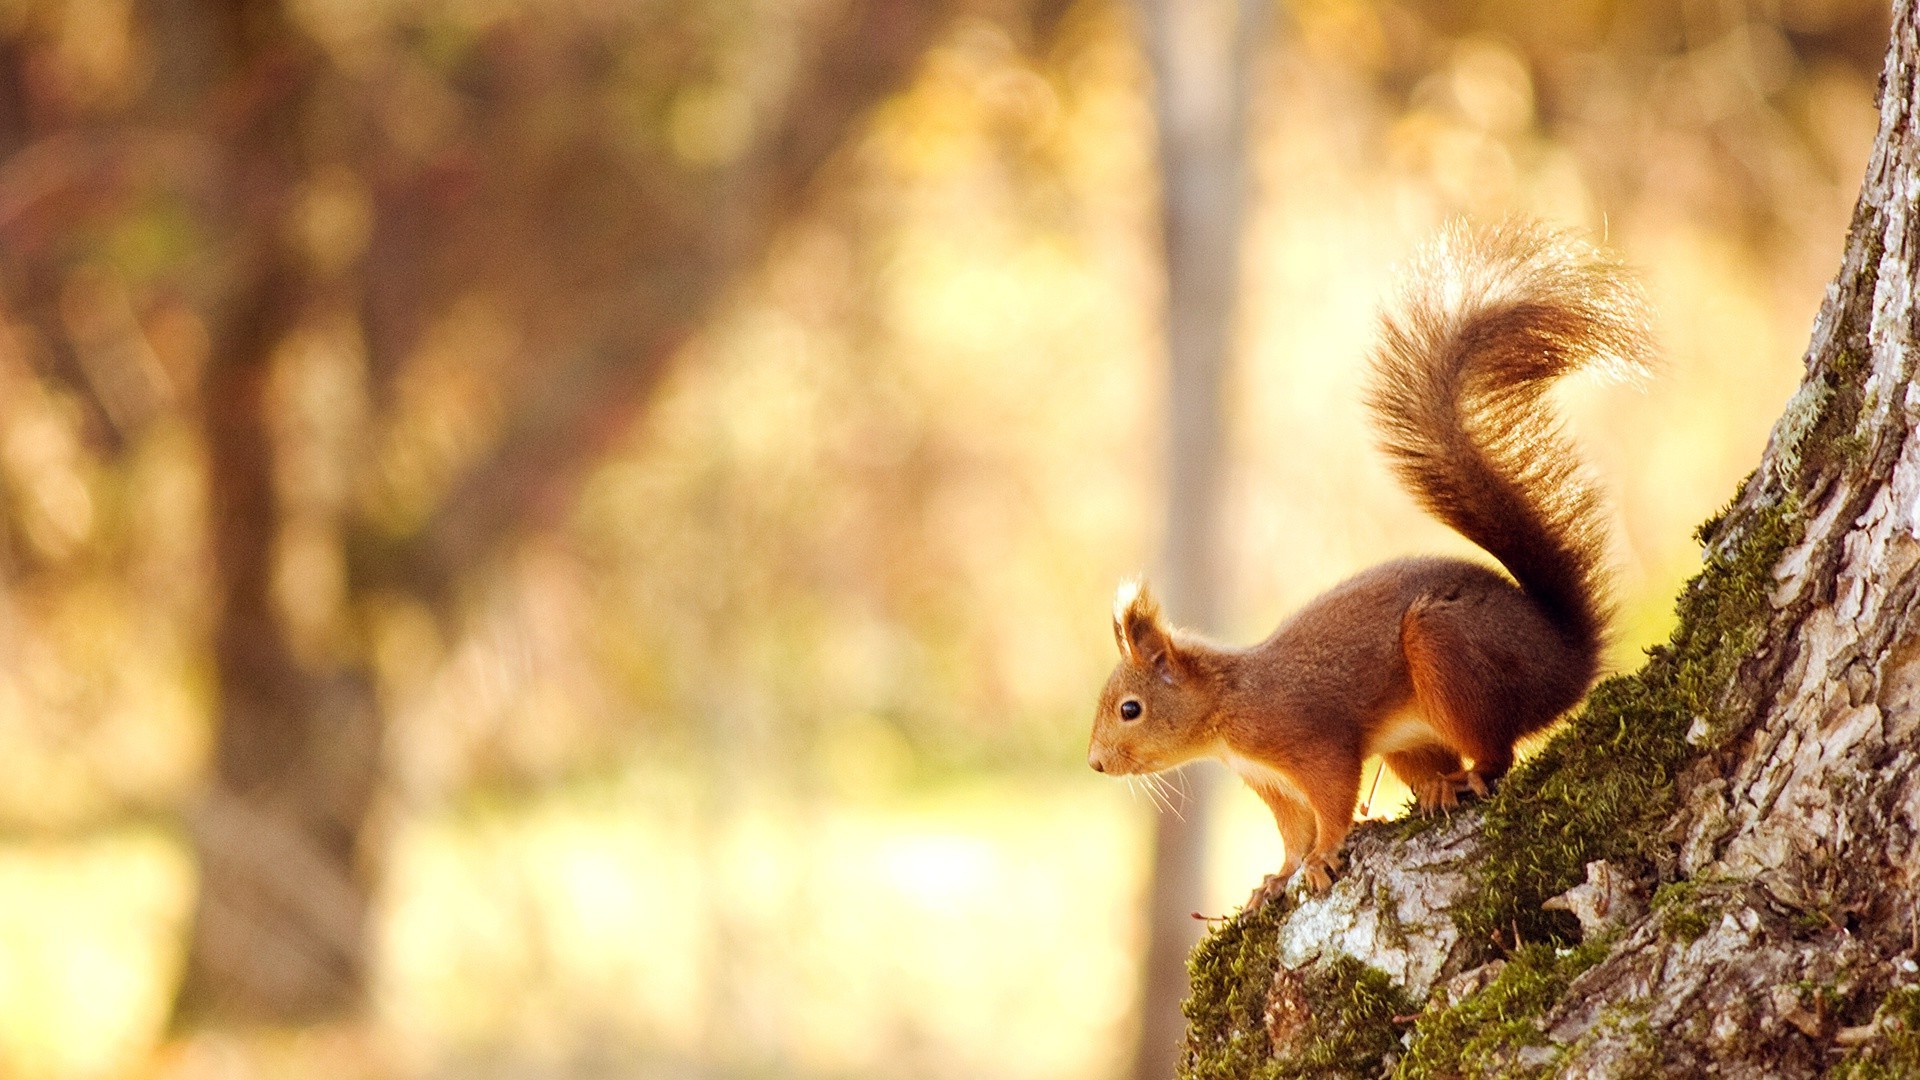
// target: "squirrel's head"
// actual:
[[1154, 713]]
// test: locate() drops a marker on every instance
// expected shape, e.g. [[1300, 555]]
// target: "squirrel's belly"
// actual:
[[1259, 774], [1403, 730]]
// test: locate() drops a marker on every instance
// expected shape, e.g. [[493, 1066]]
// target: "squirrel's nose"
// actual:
[[1093, 759]]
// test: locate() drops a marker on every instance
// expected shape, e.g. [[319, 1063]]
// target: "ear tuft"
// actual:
[[1124, 598], [1131, 591], [1137, 629]]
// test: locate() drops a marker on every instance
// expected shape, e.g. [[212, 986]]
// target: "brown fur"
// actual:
[[1437, 665]]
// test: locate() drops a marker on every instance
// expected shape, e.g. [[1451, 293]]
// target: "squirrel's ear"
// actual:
[[1131, 605], [1143, 638]]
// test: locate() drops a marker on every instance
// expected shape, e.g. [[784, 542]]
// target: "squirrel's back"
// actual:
[[1487, 320]]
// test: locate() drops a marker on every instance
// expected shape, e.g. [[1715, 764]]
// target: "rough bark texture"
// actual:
[[1748, 801]]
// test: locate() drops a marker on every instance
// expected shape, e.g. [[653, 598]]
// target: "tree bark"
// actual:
[[1745, 810], [1201, 57]]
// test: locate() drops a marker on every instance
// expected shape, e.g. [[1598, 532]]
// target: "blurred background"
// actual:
[[573, 538]]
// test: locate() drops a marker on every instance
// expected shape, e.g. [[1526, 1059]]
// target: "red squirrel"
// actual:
[[1436, 665]]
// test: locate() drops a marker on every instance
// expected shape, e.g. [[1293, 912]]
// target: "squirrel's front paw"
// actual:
[[1318, 871], [1269, 889]]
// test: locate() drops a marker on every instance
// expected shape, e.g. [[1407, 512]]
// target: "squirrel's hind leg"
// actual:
[[1461, 692]]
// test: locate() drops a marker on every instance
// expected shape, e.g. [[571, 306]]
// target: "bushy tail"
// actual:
[[1487, 320]]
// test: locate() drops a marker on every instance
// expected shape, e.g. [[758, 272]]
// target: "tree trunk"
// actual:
[[1744, 811], [279, 930], [1200, 52]]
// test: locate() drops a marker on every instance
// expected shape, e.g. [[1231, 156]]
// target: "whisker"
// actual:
[[1146, 785], [1178, 785], [1166, 787], [1142, 787], [1174, 810], [1158, 783], [1172, 788], [1186, 792], [1152, 795], [1366, 806]]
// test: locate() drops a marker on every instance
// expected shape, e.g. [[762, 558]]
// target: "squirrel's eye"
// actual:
[[1130, 709]]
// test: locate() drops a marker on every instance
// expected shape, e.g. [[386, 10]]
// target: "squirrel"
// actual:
[[1436, 665]]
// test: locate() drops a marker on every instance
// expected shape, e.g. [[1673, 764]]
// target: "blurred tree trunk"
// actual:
[[280, 929], [1200, 52]]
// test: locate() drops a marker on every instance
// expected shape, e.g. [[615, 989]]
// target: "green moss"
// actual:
[[1848, 366], [1683, 912], [1415, 822], [1823, 998], [1478, 1036], [1633, 1051], [1346, 1009], [1230, 973], [1685, 925], [1896, 1053], [1801, 417], [1836, 430], [1350, 1028]]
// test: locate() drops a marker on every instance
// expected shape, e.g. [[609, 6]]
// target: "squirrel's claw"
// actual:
[[1434, 795], [1319, 870], [1316, 870], [1268, 889], [1442, 793], [1466, 780]]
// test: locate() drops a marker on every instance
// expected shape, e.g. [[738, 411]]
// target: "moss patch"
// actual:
[[1229, 974], [1480, 1036], [1896, 1053], [1350, 1027], [1338, 1015], [1683, 912]]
